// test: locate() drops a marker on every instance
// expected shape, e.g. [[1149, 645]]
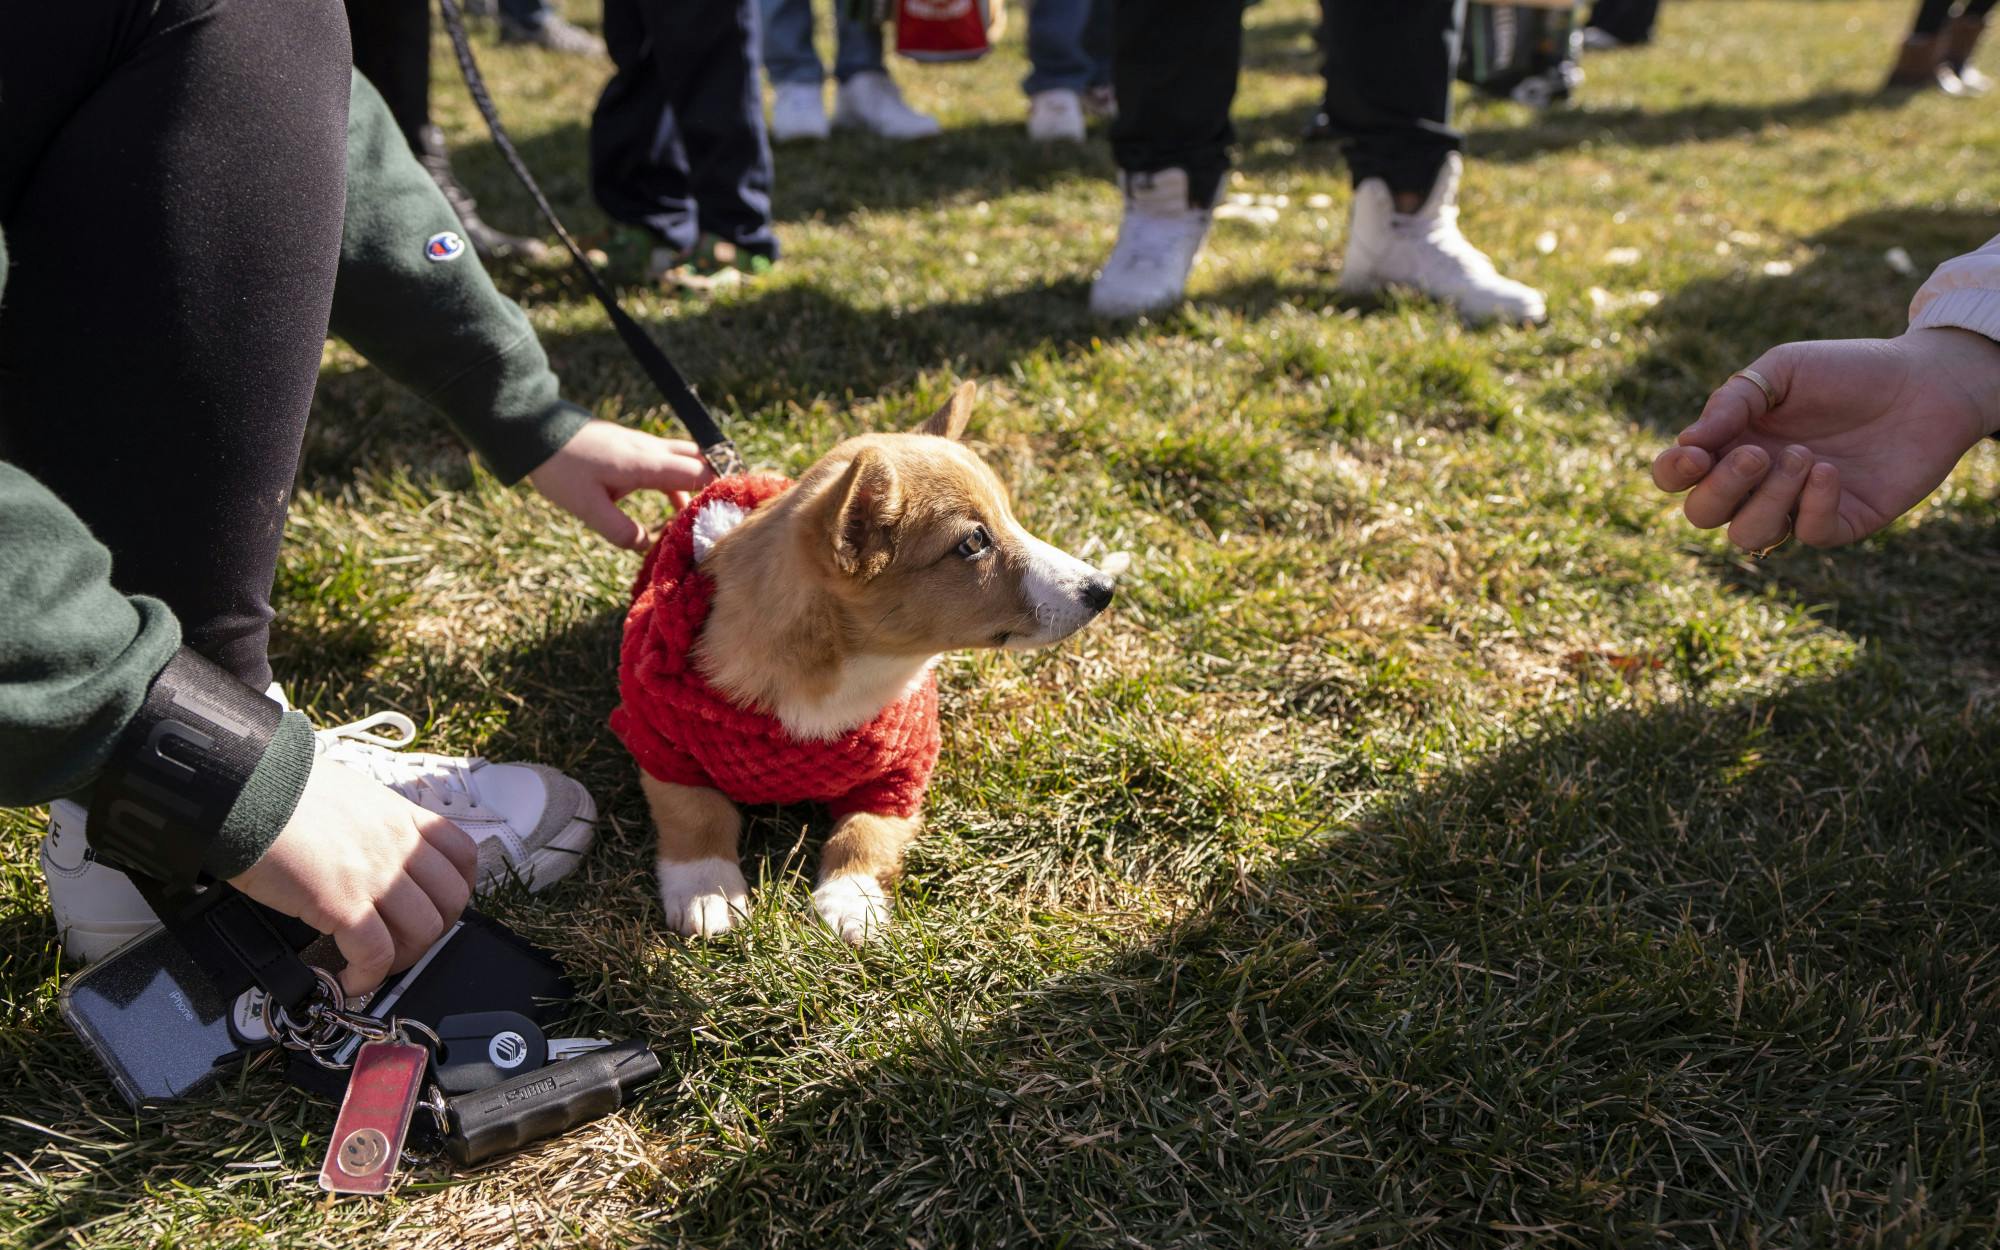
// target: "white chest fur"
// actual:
[[868, 684]]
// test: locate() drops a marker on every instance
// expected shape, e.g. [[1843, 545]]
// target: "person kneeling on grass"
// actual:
[[1832, 440], [153, 403]]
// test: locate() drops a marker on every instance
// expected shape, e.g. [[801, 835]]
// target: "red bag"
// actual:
[[941, 30]]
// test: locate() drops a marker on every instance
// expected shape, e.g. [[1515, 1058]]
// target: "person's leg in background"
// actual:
[[1174, 65], [1922, 51], [677, 145], [1620, 24], [1099, 100], [1389, 78], [709, 51], [638, 169], [1060, 69], [1961, 37], [867, 98], [537, 22], [168, 408], [798, 79], [392, 49]]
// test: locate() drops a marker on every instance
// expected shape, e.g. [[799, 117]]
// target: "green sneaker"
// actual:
[[710, 265]]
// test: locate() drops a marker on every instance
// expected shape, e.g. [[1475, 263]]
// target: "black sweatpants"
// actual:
[[1933, 14], [1628, 21], [677, 143], [1389, 70], [392, 49], [172, 185]]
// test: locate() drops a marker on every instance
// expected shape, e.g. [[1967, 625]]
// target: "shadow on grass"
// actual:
[[1560, 129], [1922, 592], [1682, 973], [1711, 327], [830, 181], [777, 347]]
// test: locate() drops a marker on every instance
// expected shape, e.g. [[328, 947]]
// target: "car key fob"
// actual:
[[484, 1048]]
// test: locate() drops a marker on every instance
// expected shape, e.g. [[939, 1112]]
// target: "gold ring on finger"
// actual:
[[1761, 552], [1762, 383]]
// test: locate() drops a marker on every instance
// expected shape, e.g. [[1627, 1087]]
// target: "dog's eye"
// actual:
[[976, 544]]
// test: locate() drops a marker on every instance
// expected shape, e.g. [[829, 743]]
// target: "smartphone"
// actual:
[[164, 1032], [155, 1020]]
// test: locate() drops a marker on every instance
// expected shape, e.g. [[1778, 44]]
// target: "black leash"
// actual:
[[716, 448]]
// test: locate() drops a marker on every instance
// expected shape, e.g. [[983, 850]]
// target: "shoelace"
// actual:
[[391, 762]]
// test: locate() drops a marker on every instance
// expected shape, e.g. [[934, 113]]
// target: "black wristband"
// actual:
[[177, 770]]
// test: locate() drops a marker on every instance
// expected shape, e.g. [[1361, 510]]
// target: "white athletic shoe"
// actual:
[[1425, 252], [1158, 241], [97, 908], [872, 102], [530, 822], [1055, 116], [798, 113]]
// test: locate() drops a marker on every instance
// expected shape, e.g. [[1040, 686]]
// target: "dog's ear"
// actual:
[[949, 421], [864, 525]]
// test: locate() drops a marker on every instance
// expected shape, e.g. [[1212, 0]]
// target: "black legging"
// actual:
[[1933, 14], [171, 185]]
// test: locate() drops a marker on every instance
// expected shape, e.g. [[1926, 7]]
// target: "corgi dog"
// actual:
[[780, 649]]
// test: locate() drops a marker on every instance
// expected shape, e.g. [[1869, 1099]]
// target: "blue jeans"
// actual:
[[788, 44], [1069, 45]]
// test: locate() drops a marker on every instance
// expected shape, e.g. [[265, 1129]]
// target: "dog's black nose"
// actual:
[[1097, 592]]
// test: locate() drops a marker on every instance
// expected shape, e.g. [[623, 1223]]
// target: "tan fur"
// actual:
[[694, 822], [869, 845], [830, 600]]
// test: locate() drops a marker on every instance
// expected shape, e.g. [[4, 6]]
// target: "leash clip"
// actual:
[[724, 458]]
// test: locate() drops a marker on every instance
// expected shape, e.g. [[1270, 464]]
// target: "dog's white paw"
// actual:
[[703, 897], [853, 905]]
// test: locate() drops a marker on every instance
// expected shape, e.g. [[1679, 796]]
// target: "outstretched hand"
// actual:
[[602, 463], [1859, 432]]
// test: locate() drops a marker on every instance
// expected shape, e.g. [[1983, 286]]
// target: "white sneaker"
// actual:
[[798, 113], [97, 908], [1425, 251], [1158, 241], [872, 102], [1055, 116], [531, 824]]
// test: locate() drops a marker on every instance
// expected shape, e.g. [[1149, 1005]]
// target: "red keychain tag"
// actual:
[[382, 1091]]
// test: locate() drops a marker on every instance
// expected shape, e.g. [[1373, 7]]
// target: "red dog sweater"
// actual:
[[681, 730]]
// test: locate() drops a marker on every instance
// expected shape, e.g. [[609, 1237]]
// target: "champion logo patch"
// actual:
[[444, 245]]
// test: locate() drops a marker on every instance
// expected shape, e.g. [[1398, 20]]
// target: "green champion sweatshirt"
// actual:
[[77, 657]]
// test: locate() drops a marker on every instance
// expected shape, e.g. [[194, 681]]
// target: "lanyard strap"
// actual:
[[716, 447]]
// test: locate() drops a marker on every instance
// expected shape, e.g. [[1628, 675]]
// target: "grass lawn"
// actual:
[[1440, 844]]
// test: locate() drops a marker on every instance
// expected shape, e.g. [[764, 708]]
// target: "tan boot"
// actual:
[[1961, 36], [1916, 64]]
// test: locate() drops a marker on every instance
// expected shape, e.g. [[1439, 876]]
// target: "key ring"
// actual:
[[278, 1021], [329, 1025]]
